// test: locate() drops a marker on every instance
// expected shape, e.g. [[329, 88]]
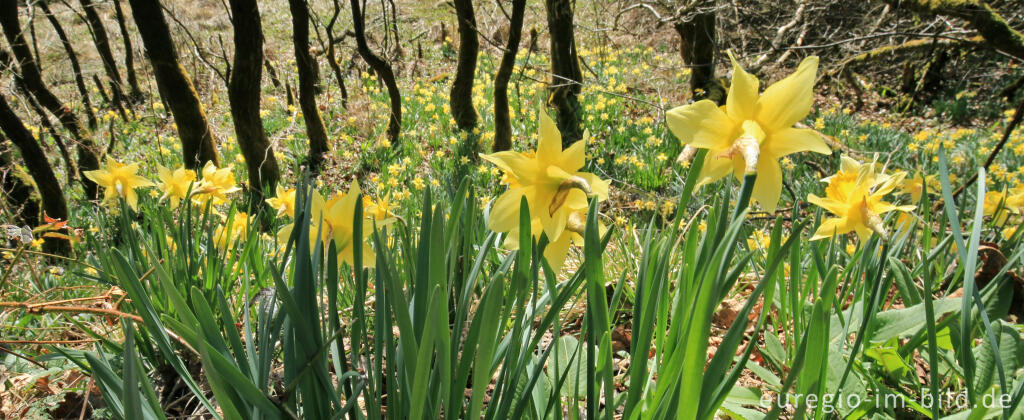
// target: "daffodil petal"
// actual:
[[574, 157], [768, 185], [557, 251], [714, 168], [701, 124], [793, 140], [788, 100], [742, 93], [504, 215], [549, 145]]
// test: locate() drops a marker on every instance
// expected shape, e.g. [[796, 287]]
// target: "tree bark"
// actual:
[[175, 86], [309, 81], [88, 153], [566, 76], [99, 36], [698, 43], [39, 168], [129, 53], [986, 20], [502, 122], [75, 66], [461, 97], [244, 95], [332, 58], [22, 200], [383, 71]]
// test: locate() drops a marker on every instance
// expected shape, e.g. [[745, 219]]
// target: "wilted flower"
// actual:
[[119, 180], [751, 133]]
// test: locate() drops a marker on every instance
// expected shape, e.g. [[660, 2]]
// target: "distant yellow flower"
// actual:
[[858, 203], [119, 180], [175, 184], [216, 184], [997, 205], [751, 133], [916, 186], [283, 202]]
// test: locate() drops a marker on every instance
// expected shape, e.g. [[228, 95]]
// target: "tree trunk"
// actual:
[[309, 81], [174, 84], [986, 20], [22, 200], [75, 66], [99, 36], [502, 122], [697, 46], [565, 70], [88, 154], [461, 97], [129, 53], [332, 58], [38, 167], [383, 70], [244, 95]]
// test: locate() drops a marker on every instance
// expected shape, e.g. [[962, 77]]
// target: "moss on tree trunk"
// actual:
[[102, 41], [309, 81], [50, 193], [461, 97], [244, 95], [565, 70], [88, 153], [174, 84], [502, 122]]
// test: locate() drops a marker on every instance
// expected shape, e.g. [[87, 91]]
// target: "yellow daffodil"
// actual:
[[858, 203], [283, 202], [216, 184], [119, 180], [915, 186], [997, 205], [555, 189], [751, 132], [233, 229], [175, 184], [333, 220]]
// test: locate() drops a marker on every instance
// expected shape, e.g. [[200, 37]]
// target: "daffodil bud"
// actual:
[[562, 194]]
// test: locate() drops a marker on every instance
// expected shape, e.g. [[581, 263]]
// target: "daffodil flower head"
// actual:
[[858, 203], [752, 131], [175, 184], [283, 202], [119, 180], [216, 184], [549, 178]]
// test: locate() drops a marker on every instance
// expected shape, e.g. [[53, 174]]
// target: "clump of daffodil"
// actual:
[[857, 202], [555, 190], [233, 229], [216, 184], [175, 184], [751, 132], [283, 202], [332, 219], [1000, 205], [119, 180]]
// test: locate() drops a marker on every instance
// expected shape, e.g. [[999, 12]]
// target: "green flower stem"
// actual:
[[744, 199]]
